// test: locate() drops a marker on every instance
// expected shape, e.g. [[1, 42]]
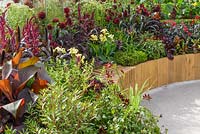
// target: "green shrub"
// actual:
[[17, 15], [129, 58], [73, 105], [153, 48]]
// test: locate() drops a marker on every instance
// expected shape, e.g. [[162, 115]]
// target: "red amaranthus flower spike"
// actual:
[[31, 36]]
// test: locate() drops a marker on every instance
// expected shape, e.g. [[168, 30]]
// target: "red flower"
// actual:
[[125, 13], [66, 10], [49, 27], [62, 25], [8, 4], [67, 15], [185, 28], [119, 15], [55, 20], [108, 18], [116, 21], [41, 15], [16, 1], [114, 6], [197, 17], [108, 65]]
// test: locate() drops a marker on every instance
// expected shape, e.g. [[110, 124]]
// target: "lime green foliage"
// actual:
[[71, 106], [98, 8], [17, 15], [52, 8], [153, 48], [130, 58]]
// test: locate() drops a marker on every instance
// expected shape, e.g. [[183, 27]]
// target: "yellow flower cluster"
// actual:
[[81, 57], [103, 36], [194, 4], [59, 49], [73, 50]]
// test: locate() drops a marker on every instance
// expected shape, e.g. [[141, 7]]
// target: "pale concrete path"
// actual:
[[179, 105]]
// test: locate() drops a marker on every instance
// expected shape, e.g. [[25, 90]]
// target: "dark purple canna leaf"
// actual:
[[7, 69], [15, 108], [25, 75]]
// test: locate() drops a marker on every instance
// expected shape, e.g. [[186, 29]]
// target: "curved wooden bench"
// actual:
[[161, 72]]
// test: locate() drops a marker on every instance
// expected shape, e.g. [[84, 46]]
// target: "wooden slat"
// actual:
[[189, 67], [163, 71], [138, 75], [197, 66]]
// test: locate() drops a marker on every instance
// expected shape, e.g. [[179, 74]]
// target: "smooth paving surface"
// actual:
[[179, 105]]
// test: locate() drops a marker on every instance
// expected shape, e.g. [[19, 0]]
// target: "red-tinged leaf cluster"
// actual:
[[86, 20], [14, 91], [141, 9], [117, 13]]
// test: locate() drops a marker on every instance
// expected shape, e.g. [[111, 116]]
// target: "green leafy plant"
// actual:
[[102, 45], [17, 15], [82, 104], [153, 48], [130, 58]]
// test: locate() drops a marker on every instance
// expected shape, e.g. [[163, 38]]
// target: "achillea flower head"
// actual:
[[116, 21], [62, 25], [108, 18], [55, 20], [66, 10], [49, 27], [41, 15]]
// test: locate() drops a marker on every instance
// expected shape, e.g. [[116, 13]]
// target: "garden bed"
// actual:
[[161, 72]]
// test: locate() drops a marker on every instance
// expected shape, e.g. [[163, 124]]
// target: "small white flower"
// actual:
[[59, 49], [104, 31], [111, 36]]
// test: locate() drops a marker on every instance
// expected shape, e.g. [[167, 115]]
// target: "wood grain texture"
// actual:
[[162, 71]]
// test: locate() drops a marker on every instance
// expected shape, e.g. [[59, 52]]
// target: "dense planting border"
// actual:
[[162, 71]]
